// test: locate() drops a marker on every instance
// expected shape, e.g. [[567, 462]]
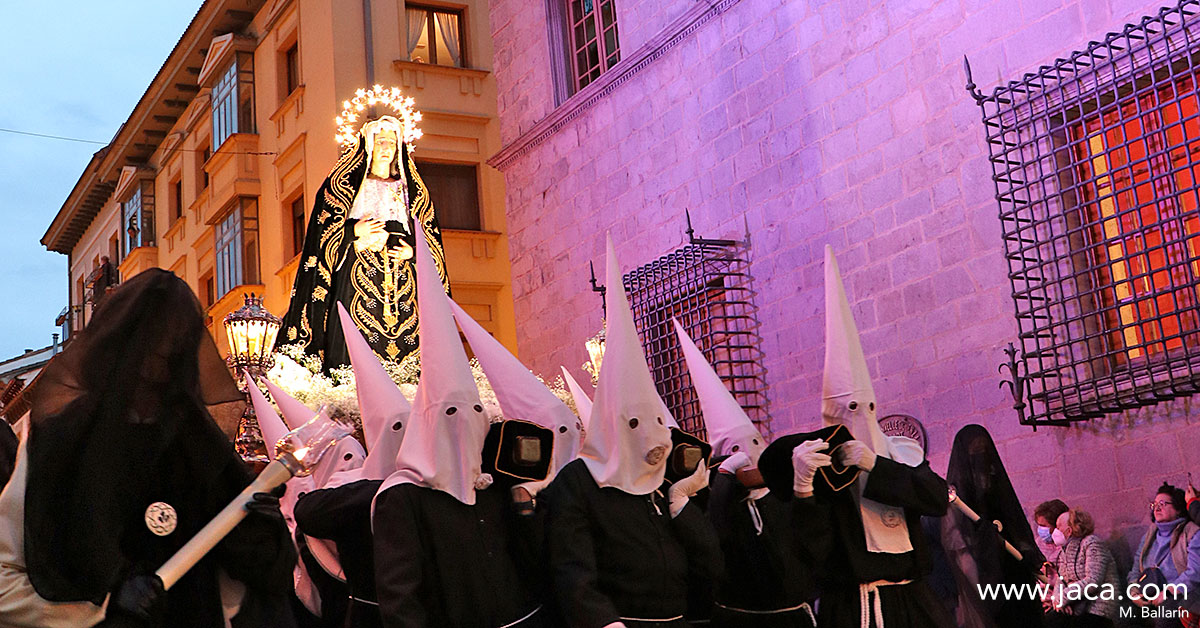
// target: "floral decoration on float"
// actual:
[[300, 376]]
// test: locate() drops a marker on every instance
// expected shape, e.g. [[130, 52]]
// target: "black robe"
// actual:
[[332, 270], [440, 563], [614, 555], [333, 593], [919, 491], [976, 552], [256, 553], [117, 426], [343, 515], [769, 571]]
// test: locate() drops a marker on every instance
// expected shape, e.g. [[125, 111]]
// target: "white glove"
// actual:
[[856, 453], [533, 488], [806, 459], [685, 488], [737, 461]]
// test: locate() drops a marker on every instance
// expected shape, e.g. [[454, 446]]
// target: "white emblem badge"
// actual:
[[892, 517], [161, 518]]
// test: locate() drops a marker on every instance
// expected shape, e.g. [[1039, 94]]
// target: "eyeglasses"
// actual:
[[1160, 505]]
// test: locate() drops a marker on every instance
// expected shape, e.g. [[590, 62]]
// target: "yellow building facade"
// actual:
[[212, 175]]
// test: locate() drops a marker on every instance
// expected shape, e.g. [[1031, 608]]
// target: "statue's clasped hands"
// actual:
[[400, 253], [370, 235]]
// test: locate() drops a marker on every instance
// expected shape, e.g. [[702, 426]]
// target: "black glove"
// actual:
[[141, 596], [267, 504]]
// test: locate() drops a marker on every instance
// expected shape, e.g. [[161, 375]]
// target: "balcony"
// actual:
[[139, 259], [99, 283], [233, 172]]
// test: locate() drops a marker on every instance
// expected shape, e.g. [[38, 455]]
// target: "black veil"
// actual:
[[140, 401], [976, 554]]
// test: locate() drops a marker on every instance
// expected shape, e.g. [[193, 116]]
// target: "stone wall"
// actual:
[[844, 122]]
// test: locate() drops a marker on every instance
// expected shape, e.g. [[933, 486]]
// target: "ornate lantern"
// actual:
[[251, 332], [595, 349]]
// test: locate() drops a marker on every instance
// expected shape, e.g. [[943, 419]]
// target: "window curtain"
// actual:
[[416, 24], [448, 25]]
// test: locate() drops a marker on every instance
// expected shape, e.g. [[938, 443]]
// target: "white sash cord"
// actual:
[[869, 604]]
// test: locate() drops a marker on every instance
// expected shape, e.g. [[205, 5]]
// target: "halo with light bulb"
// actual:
[[391, 97]]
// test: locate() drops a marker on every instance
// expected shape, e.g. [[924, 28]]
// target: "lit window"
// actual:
[[435, 36], [1097, 174], [1138, 160]]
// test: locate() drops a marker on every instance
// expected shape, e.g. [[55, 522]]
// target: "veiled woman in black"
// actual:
[[976, 550], [359, 251], [138, 410]]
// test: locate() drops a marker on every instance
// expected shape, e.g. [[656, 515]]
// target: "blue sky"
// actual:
[[77, 77]]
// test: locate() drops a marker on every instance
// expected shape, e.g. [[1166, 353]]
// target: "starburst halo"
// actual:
[[401, 106]]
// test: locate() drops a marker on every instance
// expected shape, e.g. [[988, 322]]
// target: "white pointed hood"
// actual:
[[628, 419], [443, 444], [384, 409], [273, 428], [346, 454], [583, 403], [269, 423], [293, 412], [520, 393], [729, 429], [847, 397]]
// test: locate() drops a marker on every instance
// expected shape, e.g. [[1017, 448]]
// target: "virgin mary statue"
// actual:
[[358, 250]]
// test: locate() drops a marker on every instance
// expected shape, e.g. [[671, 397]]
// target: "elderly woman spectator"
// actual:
[[1169, 554], [1084, 564]]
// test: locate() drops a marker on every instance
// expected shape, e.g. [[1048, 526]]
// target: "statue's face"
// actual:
[[383, 153]]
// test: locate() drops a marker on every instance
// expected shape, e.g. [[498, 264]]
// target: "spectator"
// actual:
[[1083, 560], [1193, 502], [1169, 553], [106, 278], [1192, 620], [1044, 517]]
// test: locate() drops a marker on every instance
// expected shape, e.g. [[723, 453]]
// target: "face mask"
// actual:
[[1058, 537], [1045, 534]]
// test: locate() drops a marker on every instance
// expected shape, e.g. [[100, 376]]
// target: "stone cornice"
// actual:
[[670, 37]]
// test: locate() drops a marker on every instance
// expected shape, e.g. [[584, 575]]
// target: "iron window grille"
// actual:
[[1096, 164], [706, 284]]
